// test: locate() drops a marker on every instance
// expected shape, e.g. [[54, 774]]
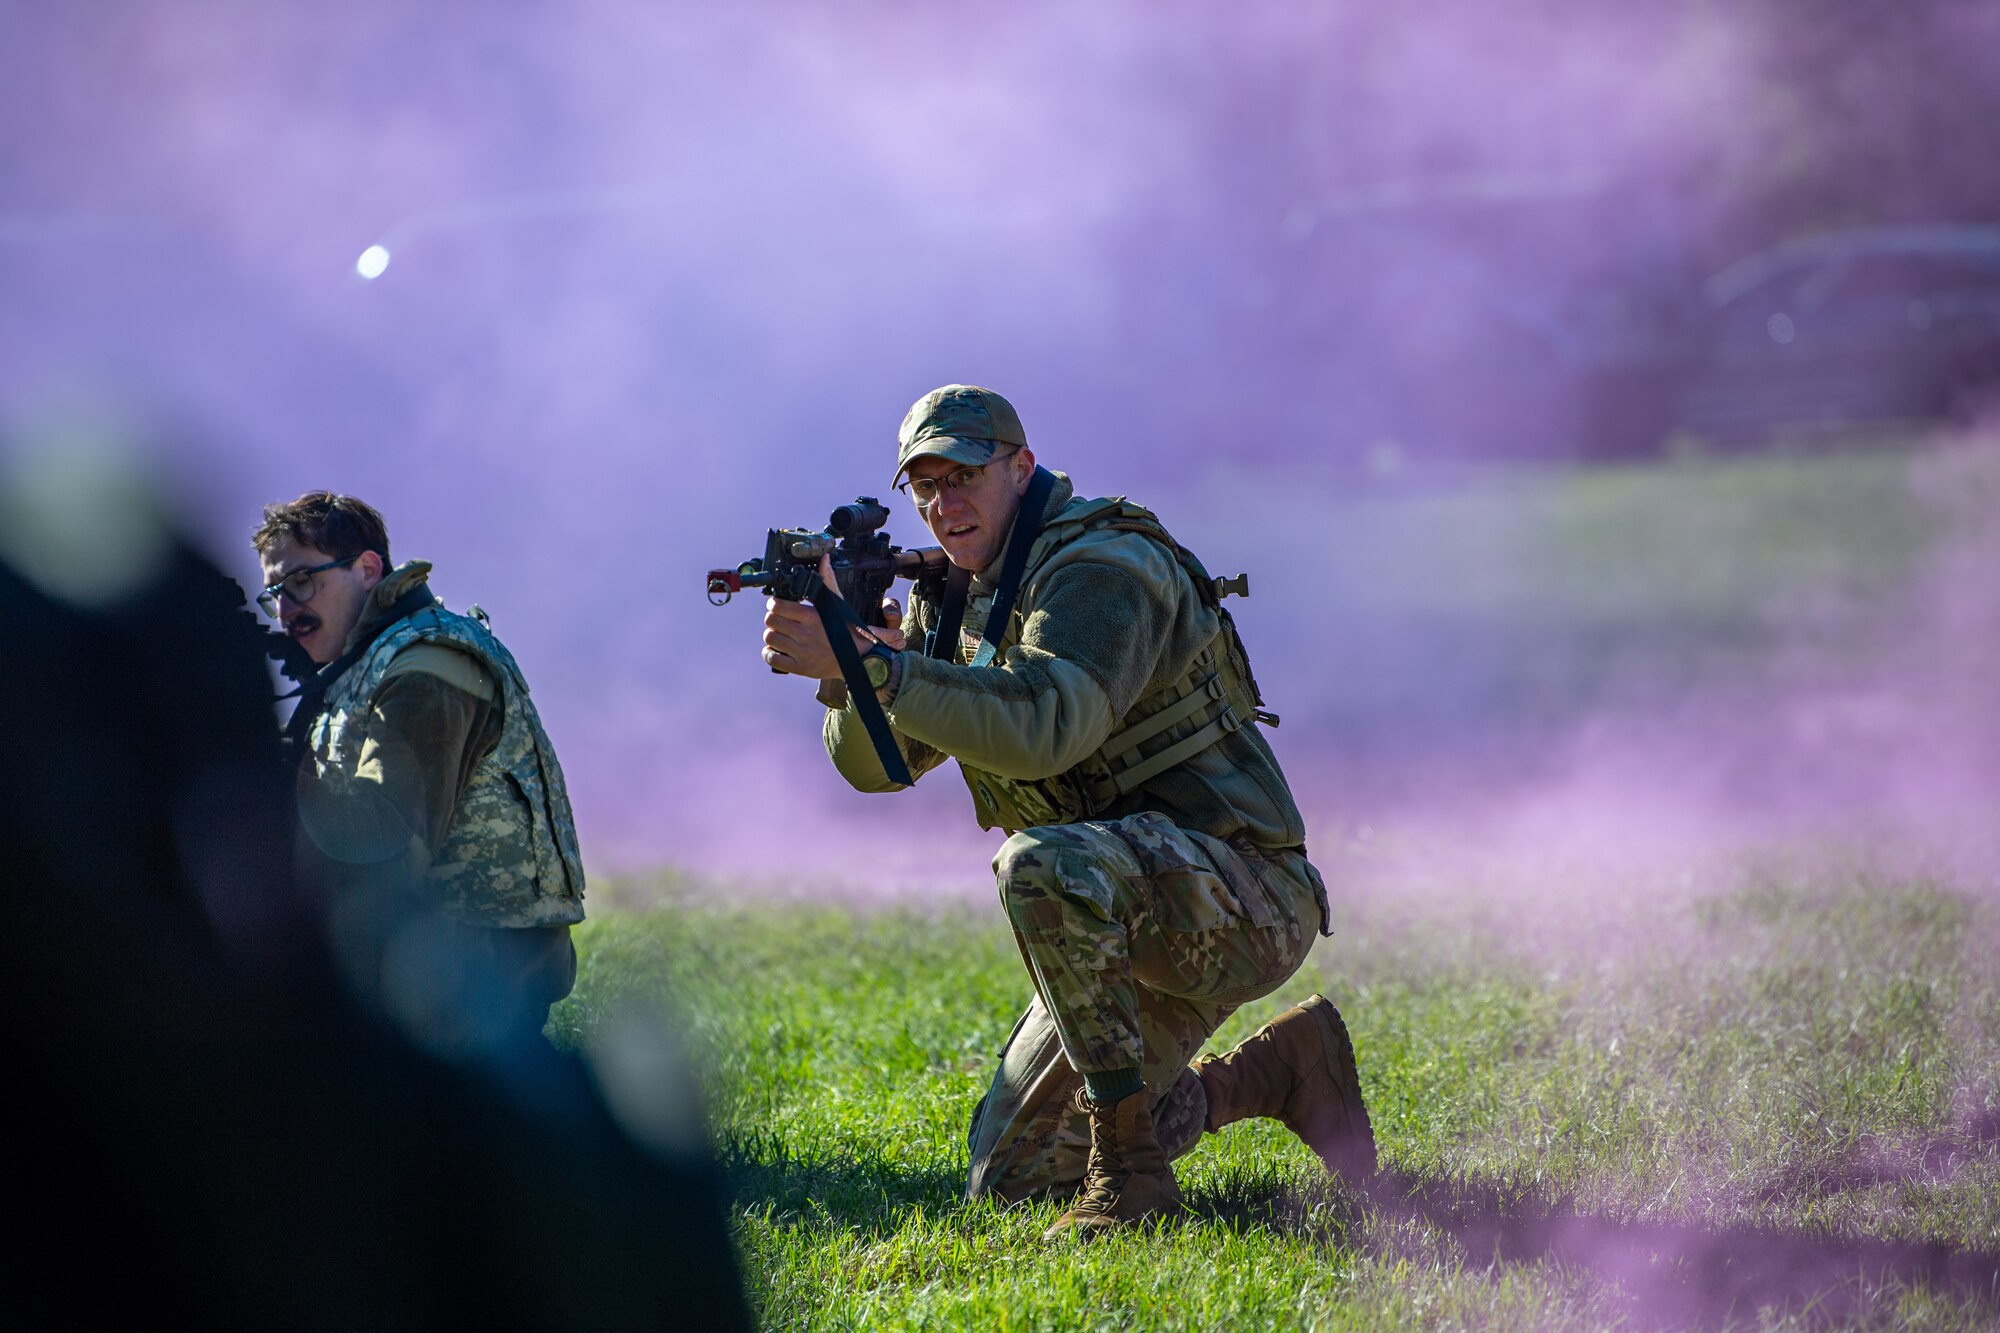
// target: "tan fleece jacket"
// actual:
[[1100, 621]]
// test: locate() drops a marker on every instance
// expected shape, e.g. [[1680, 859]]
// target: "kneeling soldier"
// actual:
[[1156, 875], [424, 771]]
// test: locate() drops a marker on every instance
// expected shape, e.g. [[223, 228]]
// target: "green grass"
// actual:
[[1806, 1049], [1812, 1053], [1678, 546]]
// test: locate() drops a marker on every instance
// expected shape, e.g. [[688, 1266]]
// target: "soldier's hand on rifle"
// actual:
[[794, 641]]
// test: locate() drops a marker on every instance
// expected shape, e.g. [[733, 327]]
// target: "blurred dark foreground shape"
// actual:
[[214, 1126]]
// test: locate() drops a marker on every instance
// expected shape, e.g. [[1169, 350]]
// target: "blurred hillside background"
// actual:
[[1602, 398]]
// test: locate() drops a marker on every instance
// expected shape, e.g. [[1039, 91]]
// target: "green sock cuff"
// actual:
[[1114, 1085]]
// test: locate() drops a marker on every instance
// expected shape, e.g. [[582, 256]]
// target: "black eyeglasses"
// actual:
[[925, 490], [299, 585]]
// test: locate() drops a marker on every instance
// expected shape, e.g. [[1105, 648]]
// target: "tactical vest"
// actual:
[[510, 857], [1165, 727]]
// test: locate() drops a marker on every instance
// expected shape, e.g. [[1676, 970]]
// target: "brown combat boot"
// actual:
[[1298, 1069], [1128, 1180]]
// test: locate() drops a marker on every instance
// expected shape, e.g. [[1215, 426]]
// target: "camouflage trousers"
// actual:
[[1141, 937]]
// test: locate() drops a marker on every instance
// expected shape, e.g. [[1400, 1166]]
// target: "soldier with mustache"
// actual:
[[430, 799], [1081, 669]]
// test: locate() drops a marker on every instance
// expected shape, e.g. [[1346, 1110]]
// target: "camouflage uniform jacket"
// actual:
[[509, 856], [1109, 629]]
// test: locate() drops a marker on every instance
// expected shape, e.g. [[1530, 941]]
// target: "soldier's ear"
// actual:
[[1024, 469], [371, 568]]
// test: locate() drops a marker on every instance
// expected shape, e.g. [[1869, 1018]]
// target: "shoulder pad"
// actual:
[[448, 662], [1081, 516]]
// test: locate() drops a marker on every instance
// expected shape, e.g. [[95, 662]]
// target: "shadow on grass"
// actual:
[[1875, 1163], [1677, 1275], [864, 1192], [1325, 1214], [1690, 1276]]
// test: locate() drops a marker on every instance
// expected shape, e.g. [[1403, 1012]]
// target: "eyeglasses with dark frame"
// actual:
[[299, 585], [925, 490]]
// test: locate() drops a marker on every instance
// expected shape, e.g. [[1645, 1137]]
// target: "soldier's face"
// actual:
[[321, 622], [972, 522]]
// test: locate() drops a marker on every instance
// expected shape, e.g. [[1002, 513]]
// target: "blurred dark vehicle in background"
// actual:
[[1817, 336], [1456, 343]]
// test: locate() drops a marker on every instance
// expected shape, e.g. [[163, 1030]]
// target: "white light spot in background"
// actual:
[[1384, 458], [373, 263], [1300, 219], [1779, 326]]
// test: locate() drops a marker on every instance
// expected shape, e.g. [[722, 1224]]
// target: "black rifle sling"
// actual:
[[835, 616], [942, 641], [1027, 526]]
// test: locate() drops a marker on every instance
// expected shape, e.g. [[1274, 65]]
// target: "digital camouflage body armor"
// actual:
[[510, 858]]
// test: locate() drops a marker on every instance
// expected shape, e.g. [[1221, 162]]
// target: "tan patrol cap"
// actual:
[[962, 422]]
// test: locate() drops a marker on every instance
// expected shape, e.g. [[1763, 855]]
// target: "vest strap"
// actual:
[[1027, 526], [1127, 781], [942, 641], [1116, 769], [1202, 692]]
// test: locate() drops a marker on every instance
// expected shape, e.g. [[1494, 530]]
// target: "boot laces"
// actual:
[[1104, 1179]]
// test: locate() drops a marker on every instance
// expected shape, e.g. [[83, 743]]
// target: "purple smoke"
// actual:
[[661, 276]]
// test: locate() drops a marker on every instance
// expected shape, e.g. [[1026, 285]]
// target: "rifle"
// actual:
[[865, 565]]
